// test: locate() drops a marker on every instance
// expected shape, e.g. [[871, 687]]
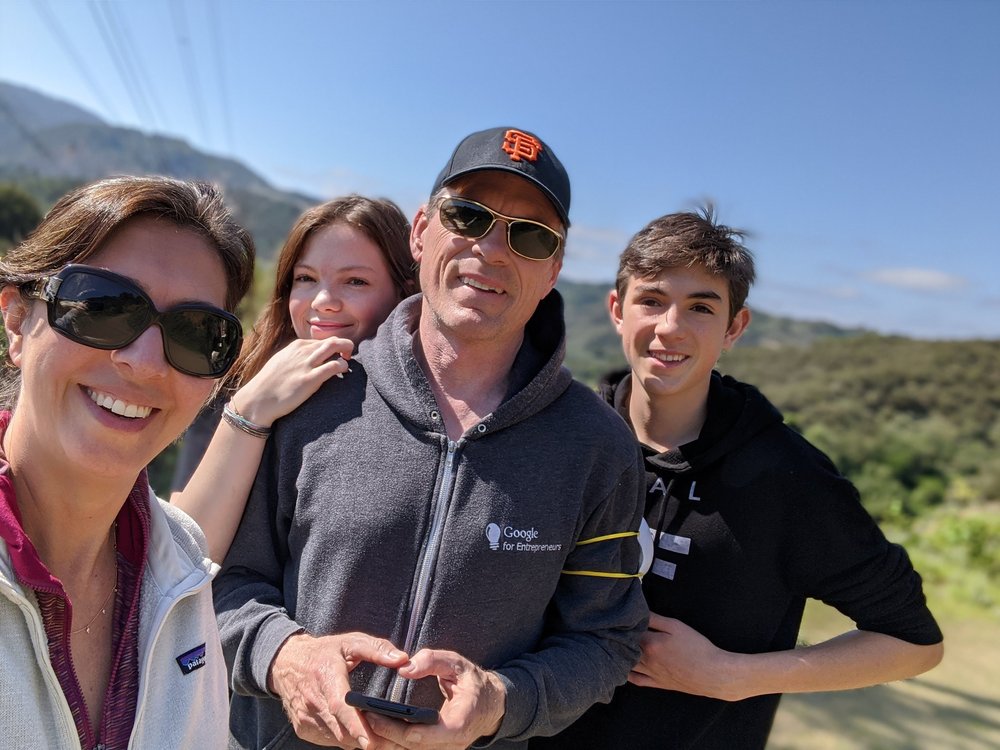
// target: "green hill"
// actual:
[[914, 423]]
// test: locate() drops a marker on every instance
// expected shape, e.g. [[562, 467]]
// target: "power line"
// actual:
[[214, 26], [187, 63], [122, 33], [132, 86], [50, 20]]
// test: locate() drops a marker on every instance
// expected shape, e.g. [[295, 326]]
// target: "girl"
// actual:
[[344, 267]]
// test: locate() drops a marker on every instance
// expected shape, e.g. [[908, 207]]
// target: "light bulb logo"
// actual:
[[493, 534]]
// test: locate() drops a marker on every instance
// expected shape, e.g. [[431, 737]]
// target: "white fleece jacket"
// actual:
[[179, 707]]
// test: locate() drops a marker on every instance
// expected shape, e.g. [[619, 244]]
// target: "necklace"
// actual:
[[104, 606]]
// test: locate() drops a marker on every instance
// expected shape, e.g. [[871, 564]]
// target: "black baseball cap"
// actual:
[[511, 150]]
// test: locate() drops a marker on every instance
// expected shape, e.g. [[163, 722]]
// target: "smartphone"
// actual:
[[392, 709]]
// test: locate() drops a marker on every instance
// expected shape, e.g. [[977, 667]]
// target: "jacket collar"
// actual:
[[537, 374]]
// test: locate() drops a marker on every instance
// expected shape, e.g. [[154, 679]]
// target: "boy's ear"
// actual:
[[14, 308], [615, 310], [740, 322]]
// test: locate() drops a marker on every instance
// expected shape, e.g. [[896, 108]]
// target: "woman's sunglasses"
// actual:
[[103, 310], [527, 238]]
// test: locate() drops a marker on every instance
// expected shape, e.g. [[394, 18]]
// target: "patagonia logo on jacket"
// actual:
[[192, 660]]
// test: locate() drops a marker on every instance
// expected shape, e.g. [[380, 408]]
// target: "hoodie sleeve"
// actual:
[[249, 602], [593, 626], [839, 555]]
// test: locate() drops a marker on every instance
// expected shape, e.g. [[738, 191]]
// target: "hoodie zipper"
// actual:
[[422, 588]]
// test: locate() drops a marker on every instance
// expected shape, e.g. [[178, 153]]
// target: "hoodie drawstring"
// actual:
[[663, 513]]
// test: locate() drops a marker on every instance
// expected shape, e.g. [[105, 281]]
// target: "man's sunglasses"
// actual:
[[529, 239], [103, 310]]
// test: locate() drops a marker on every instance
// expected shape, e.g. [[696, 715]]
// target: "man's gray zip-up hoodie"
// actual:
[[364, 516]]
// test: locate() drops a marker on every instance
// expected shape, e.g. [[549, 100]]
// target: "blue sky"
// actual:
[[858, 142]]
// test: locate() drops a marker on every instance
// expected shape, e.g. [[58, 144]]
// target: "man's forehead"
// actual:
[[491, 185]]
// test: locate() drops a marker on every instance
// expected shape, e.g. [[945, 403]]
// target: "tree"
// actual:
[[19, 214]]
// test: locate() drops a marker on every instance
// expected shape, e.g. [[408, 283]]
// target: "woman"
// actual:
[[118, 313], [344, 267]]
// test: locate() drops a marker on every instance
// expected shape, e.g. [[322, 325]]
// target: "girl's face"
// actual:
[[109, 413], [341, 286]]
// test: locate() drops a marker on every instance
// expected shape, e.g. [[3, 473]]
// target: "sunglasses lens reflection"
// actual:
[[466, 219], [98, 311], [199, 342], [533, 240]]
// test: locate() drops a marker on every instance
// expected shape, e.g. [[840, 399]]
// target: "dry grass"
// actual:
[[954, 707]]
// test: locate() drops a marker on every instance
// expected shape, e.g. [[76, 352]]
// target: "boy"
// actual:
[[748, 520]]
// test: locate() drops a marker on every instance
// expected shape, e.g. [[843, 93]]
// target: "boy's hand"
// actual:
[[678, 657]]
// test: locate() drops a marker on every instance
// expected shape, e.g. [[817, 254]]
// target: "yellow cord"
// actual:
[[606, 537], [599, 573]]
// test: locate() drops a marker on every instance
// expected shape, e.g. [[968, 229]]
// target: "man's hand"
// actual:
[[678, 657], [309, 674], [474, 704]]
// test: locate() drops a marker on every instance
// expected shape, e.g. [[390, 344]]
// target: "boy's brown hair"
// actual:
[[685, 240]]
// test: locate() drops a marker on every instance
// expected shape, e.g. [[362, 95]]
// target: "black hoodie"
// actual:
[[749, 520]]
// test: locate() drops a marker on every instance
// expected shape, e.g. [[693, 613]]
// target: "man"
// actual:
[[456, 517], [749, 520]]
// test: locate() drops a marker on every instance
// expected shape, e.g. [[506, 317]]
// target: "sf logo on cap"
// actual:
[[521, 145]]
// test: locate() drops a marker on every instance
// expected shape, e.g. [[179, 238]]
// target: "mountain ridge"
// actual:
[[45, 140]]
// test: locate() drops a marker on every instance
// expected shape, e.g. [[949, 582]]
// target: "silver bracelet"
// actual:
[[240, 422]]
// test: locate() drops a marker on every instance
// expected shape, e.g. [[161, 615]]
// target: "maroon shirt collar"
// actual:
[[133, 527]]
